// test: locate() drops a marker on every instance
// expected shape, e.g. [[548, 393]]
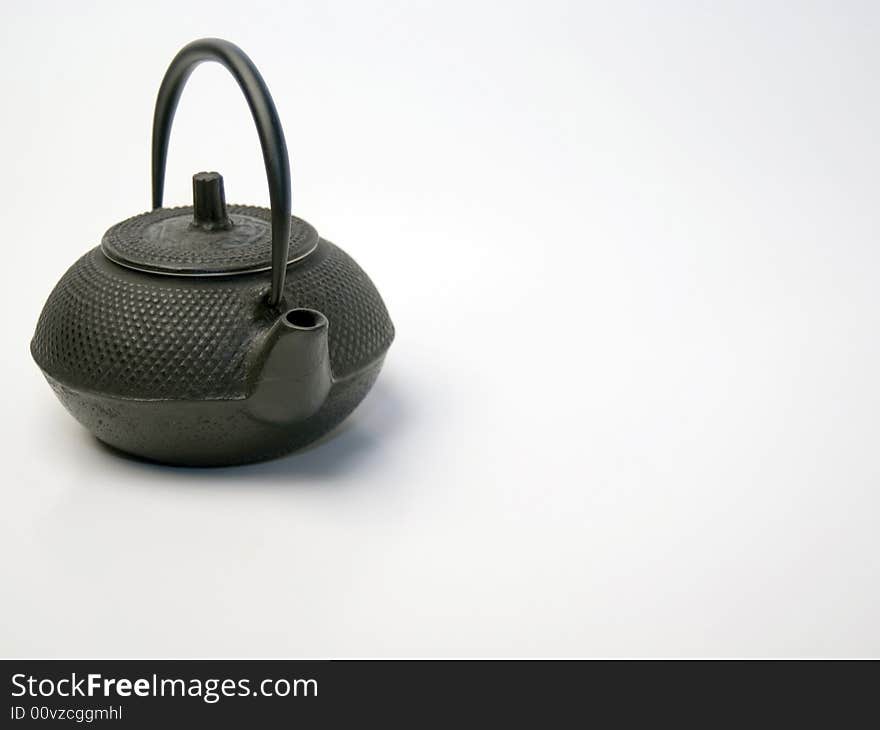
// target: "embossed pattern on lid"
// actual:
[[164, 241]]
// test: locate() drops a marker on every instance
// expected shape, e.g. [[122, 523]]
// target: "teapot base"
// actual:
[[207, 433]]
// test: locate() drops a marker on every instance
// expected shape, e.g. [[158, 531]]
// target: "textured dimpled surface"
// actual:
[[163, 240], [110, 330]]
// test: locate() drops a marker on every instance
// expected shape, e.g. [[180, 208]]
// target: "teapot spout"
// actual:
[[294, 376]]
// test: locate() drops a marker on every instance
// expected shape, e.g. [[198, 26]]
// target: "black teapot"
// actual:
[[213, 334]]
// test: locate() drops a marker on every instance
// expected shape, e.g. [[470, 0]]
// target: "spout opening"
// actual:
[[304, 319]]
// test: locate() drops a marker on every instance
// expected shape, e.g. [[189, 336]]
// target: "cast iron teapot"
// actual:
[[213, 334]]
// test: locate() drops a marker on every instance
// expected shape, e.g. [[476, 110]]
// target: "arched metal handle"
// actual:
[[268, 126]]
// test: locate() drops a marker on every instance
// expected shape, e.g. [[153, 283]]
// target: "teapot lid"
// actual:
[[204, 239]]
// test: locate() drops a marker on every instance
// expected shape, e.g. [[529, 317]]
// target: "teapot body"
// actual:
[[174, 369]]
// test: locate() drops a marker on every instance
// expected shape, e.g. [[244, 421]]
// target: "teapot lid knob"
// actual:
[[209, 202]]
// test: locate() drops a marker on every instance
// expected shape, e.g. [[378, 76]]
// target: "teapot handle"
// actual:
[[268, 126]]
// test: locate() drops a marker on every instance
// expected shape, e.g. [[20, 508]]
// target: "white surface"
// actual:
[[632, 408]]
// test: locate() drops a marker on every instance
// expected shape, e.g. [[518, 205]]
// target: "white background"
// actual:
[[631, 251]]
